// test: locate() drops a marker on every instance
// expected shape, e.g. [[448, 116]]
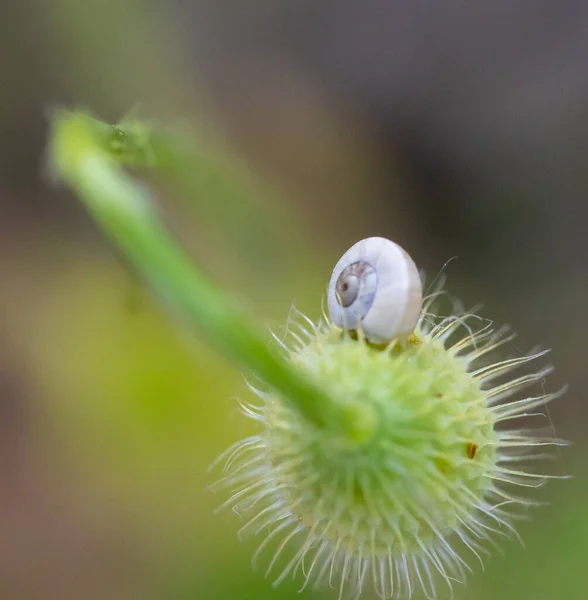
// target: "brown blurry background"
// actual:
[[458, 129]]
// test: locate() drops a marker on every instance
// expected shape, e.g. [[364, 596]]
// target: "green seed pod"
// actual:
[[434, 473]]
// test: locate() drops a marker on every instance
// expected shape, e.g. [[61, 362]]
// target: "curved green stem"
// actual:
[[81, 155]]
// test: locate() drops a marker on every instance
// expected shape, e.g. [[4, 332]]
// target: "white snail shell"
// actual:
[[376, 288]]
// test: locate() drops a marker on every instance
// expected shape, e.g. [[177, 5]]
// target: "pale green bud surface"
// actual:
[[426, 480]]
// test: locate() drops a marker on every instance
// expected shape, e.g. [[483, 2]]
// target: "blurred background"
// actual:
[[458, 129]]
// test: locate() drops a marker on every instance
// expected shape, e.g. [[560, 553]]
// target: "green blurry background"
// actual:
[[456, 129]]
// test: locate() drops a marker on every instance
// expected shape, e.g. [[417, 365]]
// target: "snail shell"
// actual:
[[376, 288]]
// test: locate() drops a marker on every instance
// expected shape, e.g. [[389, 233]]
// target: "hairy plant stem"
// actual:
[[87, 154]]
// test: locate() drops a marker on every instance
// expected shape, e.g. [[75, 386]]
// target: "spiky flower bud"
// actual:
[[432, 477]]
